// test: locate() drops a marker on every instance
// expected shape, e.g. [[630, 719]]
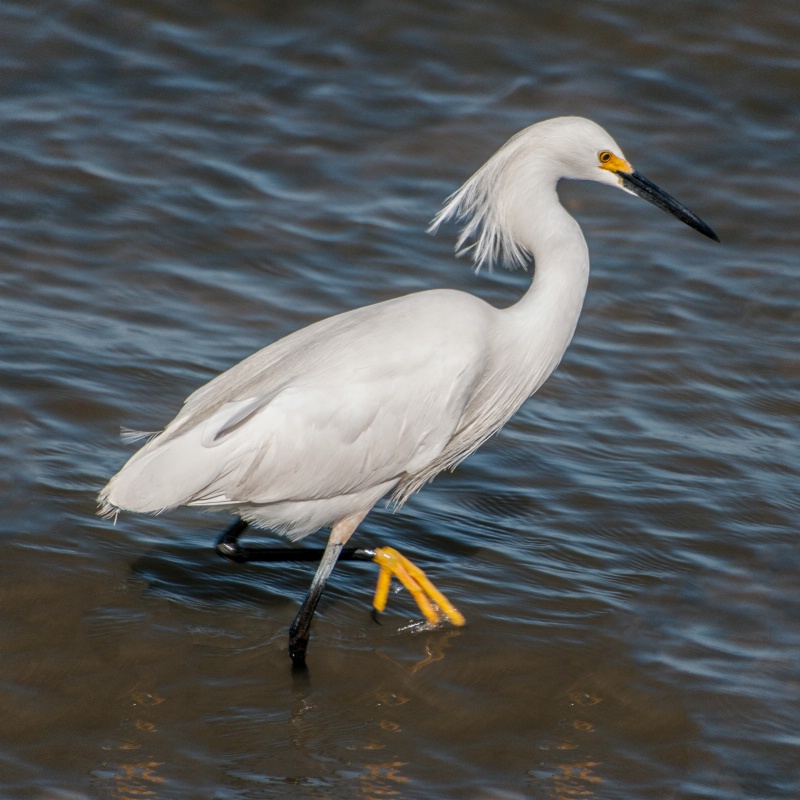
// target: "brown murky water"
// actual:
[[184, 183]]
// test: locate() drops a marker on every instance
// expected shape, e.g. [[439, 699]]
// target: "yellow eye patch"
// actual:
[[613, 163]]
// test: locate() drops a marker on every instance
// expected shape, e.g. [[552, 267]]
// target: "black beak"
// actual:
[[647, 190]]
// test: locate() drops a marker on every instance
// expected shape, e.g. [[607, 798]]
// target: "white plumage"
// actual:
[[314, 429]]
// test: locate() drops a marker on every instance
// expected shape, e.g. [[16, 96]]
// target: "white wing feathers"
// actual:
[[358, 414]]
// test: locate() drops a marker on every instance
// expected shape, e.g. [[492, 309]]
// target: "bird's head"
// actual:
[[534, 160]]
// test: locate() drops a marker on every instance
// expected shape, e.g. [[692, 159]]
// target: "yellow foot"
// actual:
[[433, 604]]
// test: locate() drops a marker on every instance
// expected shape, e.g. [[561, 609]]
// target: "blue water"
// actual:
[[183, 184]]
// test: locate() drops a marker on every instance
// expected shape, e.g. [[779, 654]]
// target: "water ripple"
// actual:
[[183, 185]]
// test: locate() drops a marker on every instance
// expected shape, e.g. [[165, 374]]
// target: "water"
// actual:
[[184, 183]]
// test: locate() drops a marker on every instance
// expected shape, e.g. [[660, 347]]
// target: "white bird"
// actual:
[[314, 429]]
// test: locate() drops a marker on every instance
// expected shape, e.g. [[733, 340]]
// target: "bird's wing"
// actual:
[[333, 415], [321, 442]]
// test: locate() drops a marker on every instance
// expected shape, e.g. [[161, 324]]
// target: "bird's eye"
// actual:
[[605, 156]]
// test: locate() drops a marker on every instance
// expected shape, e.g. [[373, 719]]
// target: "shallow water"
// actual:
[[183, 184]]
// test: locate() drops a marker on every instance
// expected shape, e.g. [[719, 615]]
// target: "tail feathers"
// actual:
[[164, 476], [130, 436]]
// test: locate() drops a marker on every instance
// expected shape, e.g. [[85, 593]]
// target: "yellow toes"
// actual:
[[433, 604]]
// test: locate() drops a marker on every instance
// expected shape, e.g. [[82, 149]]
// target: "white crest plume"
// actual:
[[479, 203]]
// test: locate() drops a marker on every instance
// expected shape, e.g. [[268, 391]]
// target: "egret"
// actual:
[[311, 431]]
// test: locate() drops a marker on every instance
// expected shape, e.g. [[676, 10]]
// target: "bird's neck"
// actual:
[[547, 315]]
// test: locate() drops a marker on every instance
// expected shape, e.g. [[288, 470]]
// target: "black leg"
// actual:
[[301, 627], [228, 543], [229, 548]]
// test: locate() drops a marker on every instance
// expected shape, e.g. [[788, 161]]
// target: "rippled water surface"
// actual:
[[183, 183]]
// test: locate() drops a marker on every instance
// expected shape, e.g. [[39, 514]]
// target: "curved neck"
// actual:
[[560, 254], [546, 316]]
